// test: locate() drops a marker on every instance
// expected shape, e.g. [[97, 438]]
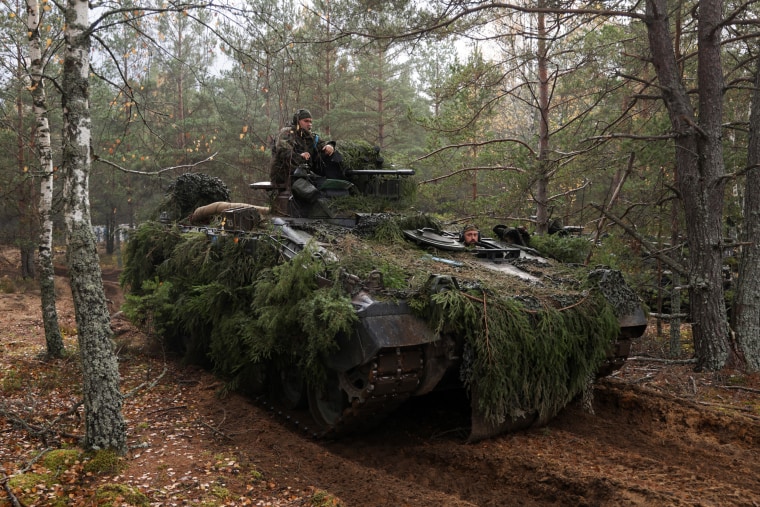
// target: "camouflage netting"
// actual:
[[530, 346], [190, 191], [614, 288], [359, 155]]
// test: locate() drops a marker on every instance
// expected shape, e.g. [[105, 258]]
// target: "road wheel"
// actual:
[[328, 402]]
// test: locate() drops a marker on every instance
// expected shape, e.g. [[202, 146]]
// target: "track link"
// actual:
[[377, 389]]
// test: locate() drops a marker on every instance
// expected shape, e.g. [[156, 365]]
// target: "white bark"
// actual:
[[53, 338], [105, 426]]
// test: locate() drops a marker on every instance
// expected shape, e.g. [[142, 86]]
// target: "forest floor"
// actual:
[[661, 434]]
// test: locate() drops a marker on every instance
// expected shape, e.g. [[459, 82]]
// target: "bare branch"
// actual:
[[467, 145], [729, 19], [152, 173], [11, 497], [146, 385], [660, 360], [467, 169], [632, 136], [571, 191], [675, 266], [613, 198]]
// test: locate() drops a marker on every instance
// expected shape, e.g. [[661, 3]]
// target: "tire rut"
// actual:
[[641, 448]]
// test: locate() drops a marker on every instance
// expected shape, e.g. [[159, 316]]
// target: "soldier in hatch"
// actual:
[[296, 145], [470, 236]]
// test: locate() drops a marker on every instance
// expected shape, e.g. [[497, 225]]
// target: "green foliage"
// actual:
[[567, 249], [325, 315], [391, 230], [618, 252], [149, 246], [27, 484], [393, 275], [12, 381], [225, 301], [519, 361], [294, 317], [59, 460], [6, 285], [152, 309], [361, 203], [322, 498], [233, 303]]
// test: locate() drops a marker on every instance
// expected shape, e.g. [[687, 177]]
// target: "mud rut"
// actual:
[[640, 448]]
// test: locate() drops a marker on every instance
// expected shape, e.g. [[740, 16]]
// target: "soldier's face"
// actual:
[[470, 237], [305, 124]]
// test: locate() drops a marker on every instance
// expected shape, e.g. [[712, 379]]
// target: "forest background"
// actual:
[[509, 113]]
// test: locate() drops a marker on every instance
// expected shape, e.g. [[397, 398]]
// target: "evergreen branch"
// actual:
[[485, 322]]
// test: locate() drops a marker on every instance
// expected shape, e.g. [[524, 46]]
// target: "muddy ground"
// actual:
[[661, 434]]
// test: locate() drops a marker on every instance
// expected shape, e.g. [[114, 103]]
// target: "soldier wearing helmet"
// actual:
[[296, 145]]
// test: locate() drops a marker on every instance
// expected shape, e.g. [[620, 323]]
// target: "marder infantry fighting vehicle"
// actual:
[[354, 313]]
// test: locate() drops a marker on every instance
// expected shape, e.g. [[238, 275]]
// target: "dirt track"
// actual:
[[661, 435], [641, 448]]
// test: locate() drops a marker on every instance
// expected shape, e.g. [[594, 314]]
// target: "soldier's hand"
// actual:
[[328, 149], [305, 155]]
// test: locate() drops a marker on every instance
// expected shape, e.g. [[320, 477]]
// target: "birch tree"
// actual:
[[105, 427], [53, 338]]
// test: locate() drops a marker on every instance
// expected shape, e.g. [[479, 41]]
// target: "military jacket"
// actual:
[[289, 145]]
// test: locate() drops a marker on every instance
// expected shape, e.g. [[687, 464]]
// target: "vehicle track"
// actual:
[[640, 448]]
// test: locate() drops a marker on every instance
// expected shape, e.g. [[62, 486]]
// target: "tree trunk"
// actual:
[[747, 303], [26, 197], [27, 258], [675, 295], [104, 423], [542, 183], [699, 161], [110, 232], [53, 338]]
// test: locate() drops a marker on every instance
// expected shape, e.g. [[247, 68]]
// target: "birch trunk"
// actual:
[[105, 426], [53, 338]]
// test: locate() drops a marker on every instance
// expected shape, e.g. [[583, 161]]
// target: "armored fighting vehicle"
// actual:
[[354, 313]]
